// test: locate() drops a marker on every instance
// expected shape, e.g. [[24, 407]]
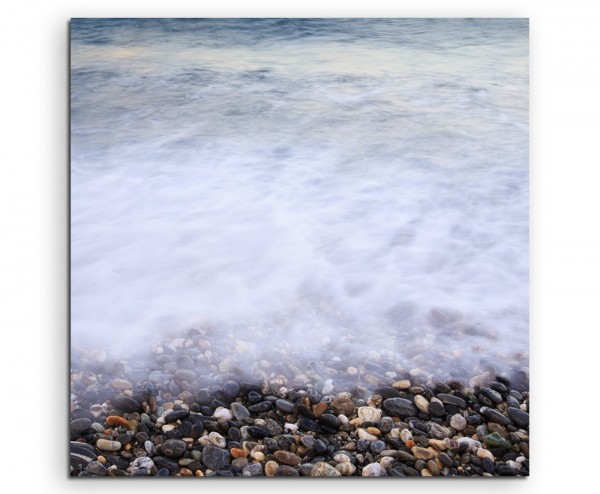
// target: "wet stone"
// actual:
[[107, 445], [400, 407], [495, 416], [329, 420], [287, 458], [309, 425], [253, 470], [174, 448], [452, 400], [175, 415], [373, 470], [286, 471], [343, 406], [495, 440], [203, 397], [487, 465], [80, 425], [254, 396], [256, 431], [445, 459], [491, 395], [215, 458], [518, 416], [377, 447], [284, 406], [263, 406], [436, 409], [231, 389], [81, 454], [323, 469], [126, 404], [458, 422], [96, 468]]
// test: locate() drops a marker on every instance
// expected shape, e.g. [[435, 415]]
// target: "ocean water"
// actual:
[[340, 183]]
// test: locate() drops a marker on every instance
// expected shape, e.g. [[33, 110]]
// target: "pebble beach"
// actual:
[[188, 410]]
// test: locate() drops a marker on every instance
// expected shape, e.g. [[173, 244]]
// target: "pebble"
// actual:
[[174, 448], [96, 468], [400, 407], [222, 413], [126, 404], [422, 404], [287, 458], [252, 470], [284, 405], [346, 469], [121, 384], [323, 469], [80, 425], [518, 416], [286, 471], [495, 440], [373, 470], [424, 453], [436, 408], [445, 459], [142, 463], [458, 422], [369, 414], [217, 440], [452, 400], [342, 405], [215, 458], [107, 445], [270, 468], [239, 411]]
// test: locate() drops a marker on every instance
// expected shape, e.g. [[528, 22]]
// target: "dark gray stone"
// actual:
[[400, 407], [174, 448], [215, 458]]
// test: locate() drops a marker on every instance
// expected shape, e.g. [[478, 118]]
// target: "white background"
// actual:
[[565, 247]]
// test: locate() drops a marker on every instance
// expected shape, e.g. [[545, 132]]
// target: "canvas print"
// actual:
[[299, 248]]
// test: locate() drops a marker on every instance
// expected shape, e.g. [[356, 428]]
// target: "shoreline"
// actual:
[[169, 419]]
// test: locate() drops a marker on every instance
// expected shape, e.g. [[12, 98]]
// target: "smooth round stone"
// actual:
[[121, 384], [438, 431], [422, 403], [217, 439], [436, 408], [143, 463], [287, 458], [149, 447], [286, 471], [95, 468], [512, 401], [329, 420], [257, 432], [80, 425], [203, 397], [518, 416], [307, 441], [231, 389], [253, 470], [126, 404], [164, 462], [452, 400], [185, 375], [175, 415], [174, 448], [263, 406], [369, 414], [309, 425], [445, 459], [284, 405], [495, 416], [346, 469], [423, 453], [491, 395], [323, 469], [239, 411], [495, 440], [458, 422], [433, 468], [107, 445], [222, 413], [163, 472], [215, 458], [474, 420], [342, 406], [400, 407], [373, 470], [377, 447], [385, 425], [487, 465], [98, 427], [254, 396]]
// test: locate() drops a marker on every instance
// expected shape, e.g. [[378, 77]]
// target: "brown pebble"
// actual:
[[286, 457], [270, 468], [238, 452], [343, 405], [116, 421], [319, 409], [424, 453], [186, 472]]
